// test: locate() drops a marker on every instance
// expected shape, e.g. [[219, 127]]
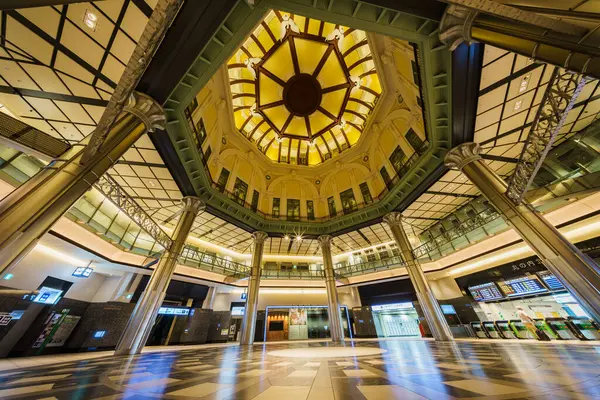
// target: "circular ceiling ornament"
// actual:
[[302, 89], [309, 97], [302, 95]]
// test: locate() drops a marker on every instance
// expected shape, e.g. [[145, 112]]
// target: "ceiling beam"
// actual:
[[499, 158], [467, 62], [53, 96], [469, 196], [429, 9], [16, 4]]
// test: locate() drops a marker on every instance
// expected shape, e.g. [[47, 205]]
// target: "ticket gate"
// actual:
[[561, 328], [585, 328], [490, 329], [479, 330], [504, 330], [519, 329], [542, 325]]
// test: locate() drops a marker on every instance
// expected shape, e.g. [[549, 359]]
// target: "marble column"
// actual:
[[210, 298], [249, 321], [333, 302], [144, 314], [576, 271], [30, 211], [431, 309]]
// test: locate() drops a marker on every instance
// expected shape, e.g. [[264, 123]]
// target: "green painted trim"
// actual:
[[436, 64]]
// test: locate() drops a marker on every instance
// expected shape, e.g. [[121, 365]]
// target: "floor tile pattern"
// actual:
[[409, 369]]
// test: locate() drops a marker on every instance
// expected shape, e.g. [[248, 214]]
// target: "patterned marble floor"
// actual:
[[408, 369]]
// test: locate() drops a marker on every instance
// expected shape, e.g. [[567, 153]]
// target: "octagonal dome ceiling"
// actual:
[[303, 89]]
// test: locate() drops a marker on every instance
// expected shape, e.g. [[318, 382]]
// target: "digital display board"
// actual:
[[448, 309], [395, 306], [522, 286], [485, 292], [173, 311], [237, 311], [550, 280]]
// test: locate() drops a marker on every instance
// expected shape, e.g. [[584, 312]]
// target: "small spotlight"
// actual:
[[286, 237], [90, 20], [298, 238]]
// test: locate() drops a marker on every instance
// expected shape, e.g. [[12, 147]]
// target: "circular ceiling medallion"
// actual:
[[302, 95]]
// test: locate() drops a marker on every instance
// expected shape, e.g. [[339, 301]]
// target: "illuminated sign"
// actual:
[[99, 334], [395, 306], [244, 296], [448, 309], [47, 295], [237, 311], [486, 291], [522, 286], [82, 272], [173, 311]]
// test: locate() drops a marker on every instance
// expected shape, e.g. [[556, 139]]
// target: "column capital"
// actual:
[[193, 204], [456, 24], [393, 218], [147, 109], [259, 237], [462, 155], [325, 240]]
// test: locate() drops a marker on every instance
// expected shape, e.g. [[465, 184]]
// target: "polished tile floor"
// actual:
[[397, 369]]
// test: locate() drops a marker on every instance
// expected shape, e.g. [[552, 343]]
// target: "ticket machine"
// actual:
[[561, 328], [542, 325], [586, 329], [519, 329], [479, 330], [504, 330], [491, 329]]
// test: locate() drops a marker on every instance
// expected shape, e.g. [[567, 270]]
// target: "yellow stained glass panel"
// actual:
[[318, 121], [309, 54], [270, 91], [332, 73], [277, 115], [333, 101], [297, 127], [280, 63]]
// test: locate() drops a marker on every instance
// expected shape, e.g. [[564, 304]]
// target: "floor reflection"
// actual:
[[403, 369]]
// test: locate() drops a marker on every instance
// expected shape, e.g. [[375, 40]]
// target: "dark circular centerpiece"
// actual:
[[302, 95]]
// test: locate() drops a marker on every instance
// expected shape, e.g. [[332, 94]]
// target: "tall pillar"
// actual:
[[431, 309], [249, 321], [142, 319], [576, 271], [333, 302], [30, 211], [210, 298]]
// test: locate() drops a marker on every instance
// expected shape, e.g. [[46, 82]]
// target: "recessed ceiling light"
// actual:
[[518, 105], [524, 83], [298, 238], [286, 237], [151, 183], [90, 20]]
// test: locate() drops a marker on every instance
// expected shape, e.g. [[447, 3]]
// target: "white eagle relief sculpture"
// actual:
[[286, 24], [250, 65], [337, 35]]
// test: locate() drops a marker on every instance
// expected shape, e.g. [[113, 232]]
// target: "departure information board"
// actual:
[[522, 286], [485, 292], [550, 280]]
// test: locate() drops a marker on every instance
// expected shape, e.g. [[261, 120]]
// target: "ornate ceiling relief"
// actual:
[[303, 89]]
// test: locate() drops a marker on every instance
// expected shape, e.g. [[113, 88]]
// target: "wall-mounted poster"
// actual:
[[64, 331], [297, 316]]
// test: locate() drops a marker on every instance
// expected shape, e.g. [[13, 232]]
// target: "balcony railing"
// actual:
[[192, 257], [346, 270]]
